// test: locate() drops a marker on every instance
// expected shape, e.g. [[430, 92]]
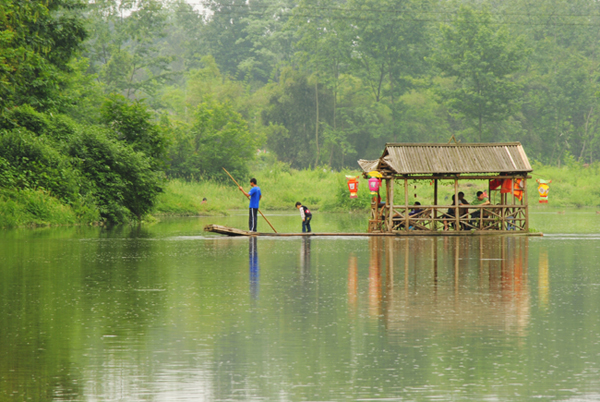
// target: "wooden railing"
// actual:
[[456, 218]]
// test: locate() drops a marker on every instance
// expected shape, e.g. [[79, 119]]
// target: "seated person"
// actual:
[[464, 212], [449, 215], [413, 212], [480, 200]]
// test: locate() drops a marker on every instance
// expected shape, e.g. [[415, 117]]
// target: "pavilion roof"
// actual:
[[410, 159]]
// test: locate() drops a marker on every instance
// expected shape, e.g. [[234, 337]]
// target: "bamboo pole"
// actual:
[[249, 198]]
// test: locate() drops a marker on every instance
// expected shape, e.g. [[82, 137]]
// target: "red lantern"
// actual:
[[374, 184], [353, 187]]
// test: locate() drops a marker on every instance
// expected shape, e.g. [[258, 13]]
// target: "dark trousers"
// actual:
[[306, 224], [253, 219]]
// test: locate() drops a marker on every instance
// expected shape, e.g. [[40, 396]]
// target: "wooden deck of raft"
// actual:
[[239, 232]]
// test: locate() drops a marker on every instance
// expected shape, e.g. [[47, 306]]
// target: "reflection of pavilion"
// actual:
[[449, 282]]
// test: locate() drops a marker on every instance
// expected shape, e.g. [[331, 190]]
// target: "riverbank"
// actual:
[[573, 186]]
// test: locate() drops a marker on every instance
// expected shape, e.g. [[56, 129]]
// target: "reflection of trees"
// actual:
[[38, 306]]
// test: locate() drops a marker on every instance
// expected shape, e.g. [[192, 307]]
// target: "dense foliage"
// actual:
[[100, 100]]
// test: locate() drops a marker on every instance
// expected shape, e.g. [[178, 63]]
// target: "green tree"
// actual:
[[131, 121], [292, 106], [322, 50], [123, 182], [37, 41], [123, 49], [225, 35], [218, 138], [483, 60]]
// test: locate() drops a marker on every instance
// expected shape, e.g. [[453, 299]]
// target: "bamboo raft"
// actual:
[[225, 230]]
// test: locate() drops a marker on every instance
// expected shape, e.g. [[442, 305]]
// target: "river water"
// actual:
[[166, 312]]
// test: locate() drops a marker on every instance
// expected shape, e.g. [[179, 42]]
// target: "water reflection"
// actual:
[[543, 278], [375, 296], [254, 268], [305, 259], [448, 282], [353, 282]]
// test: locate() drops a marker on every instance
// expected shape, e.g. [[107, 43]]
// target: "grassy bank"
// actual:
[[573, 186], [39, 208], [280, 190]]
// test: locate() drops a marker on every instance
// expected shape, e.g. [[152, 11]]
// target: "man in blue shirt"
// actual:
[[255, 196]]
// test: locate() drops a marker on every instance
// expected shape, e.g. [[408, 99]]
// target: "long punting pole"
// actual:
[[249, 198]]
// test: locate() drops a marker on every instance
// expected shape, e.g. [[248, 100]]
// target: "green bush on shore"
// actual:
[[39, 208]]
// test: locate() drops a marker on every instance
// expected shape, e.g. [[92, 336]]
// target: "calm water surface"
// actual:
[[167, 312]]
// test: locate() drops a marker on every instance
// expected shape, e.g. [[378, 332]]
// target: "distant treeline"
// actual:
[[101, 102]]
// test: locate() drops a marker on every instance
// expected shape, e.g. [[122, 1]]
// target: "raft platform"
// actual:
[[225, 230]]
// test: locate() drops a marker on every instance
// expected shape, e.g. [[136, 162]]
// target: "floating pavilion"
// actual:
[[502, 166]]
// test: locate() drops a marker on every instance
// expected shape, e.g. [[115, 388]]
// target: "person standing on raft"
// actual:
[[306, 217], [255, 196]]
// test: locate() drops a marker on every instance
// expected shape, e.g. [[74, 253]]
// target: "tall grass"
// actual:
[[40, 208], [573, 185], [280, 191]]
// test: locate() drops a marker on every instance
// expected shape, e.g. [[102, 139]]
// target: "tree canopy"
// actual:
[[183, 89]]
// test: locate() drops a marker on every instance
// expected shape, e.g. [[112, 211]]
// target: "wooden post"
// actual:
[[406, 223], [526, 202], [391, 205], [490, 199], [435, 202], [387, 202], [502, 211], [456, 213], [514, 202]]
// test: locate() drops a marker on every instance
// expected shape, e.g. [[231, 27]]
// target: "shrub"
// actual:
[[132, 122], [33, 162], [27, 117], [121, 180]]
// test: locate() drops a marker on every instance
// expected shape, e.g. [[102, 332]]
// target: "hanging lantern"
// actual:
[[374, 184], [543, 188], [352, 186]]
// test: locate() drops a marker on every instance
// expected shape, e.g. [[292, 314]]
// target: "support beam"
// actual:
[[435, 202], [406, 222], [391, 208], [526, 202], [456, 210]]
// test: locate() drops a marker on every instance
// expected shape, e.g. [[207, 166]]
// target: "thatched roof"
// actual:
[[367, 165], [451, 158]]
